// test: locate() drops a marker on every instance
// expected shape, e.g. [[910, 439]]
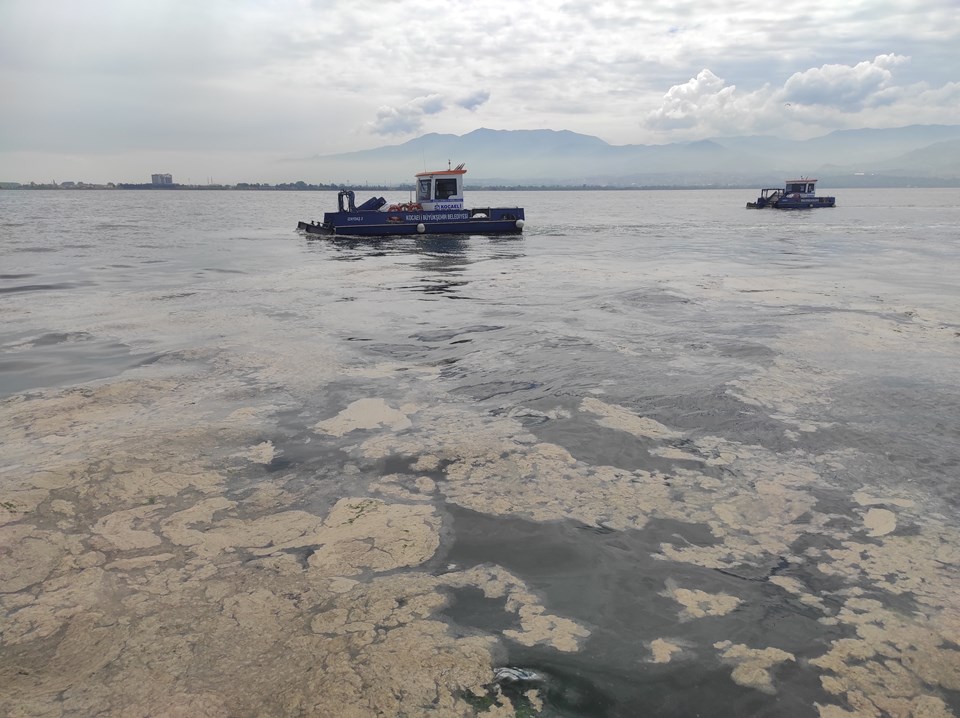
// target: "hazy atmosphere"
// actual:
[[232, 91]]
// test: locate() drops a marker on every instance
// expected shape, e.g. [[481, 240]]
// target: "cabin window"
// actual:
[[423, 190], [809, 188], [446, 188]]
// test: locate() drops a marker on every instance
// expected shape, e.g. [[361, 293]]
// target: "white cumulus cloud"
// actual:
[[407, 118], [809, 102], [683, 104], [843, 86]]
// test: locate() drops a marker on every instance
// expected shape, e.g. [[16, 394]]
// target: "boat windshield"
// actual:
[[446, 188]]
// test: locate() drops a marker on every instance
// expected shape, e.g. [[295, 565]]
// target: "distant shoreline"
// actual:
[[856, 182]]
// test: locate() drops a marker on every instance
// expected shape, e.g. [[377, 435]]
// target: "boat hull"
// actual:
[[805, 203], [383, 224], [794, 204]]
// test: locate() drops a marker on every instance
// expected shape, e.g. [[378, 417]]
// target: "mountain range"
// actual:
[[916, 155]]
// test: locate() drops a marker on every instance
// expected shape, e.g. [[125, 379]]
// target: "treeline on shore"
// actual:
[[845, 182]]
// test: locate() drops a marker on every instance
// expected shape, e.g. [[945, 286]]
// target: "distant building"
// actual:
[[161, 179]]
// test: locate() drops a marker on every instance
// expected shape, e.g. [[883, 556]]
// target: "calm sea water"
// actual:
[[659, 455]]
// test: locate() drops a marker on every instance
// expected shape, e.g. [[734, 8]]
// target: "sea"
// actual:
[[659, 455]]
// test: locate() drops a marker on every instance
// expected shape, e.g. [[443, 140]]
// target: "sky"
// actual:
[[231, 90]]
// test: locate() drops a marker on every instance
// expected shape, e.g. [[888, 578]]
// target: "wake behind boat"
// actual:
[[796, 194], [438, 209]]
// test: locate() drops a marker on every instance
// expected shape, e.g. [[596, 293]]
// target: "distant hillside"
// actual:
[[941, 159], [561, 157]]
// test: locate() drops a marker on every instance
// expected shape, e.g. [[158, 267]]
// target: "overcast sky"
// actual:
[[112, 90]]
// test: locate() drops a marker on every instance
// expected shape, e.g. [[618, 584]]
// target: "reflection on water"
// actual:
[[442, 259], [655, 463]]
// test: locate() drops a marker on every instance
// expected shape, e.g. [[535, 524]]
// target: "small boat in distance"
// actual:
[[438, 209], [796, 194]]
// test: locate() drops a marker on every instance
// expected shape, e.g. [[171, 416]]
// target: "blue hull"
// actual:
[[805, 204], [374, 223]]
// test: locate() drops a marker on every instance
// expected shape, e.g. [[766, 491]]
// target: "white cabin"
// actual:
[[442, 189]]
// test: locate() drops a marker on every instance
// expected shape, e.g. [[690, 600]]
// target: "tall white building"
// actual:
[[161, 179]]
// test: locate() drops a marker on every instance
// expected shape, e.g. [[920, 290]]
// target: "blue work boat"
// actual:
[[438, 209], [796, 194]]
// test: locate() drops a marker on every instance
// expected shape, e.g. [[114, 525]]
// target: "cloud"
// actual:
[[842, 86], [809, 102], [430, 105], [473, 101], [684, 104], [407, 118]]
